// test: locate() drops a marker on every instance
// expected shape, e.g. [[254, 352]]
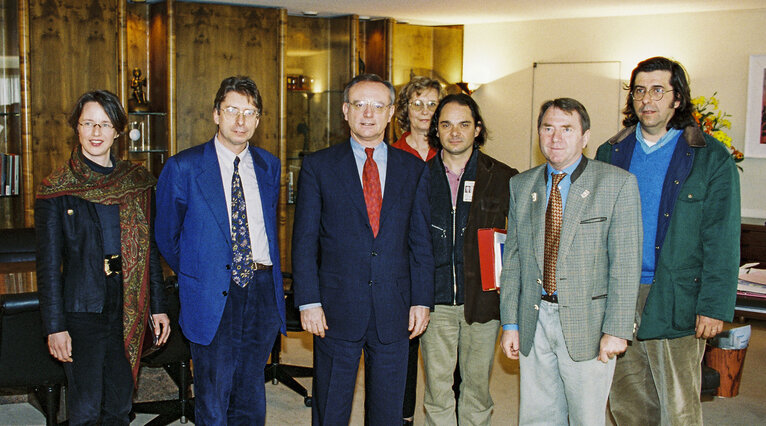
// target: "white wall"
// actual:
[[713, 46]]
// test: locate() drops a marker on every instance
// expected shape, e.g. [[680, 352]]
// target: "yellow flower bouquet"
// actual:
[[712, 121]]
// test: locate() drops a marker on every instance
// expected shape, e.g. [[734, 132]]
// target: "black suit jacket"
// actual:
[[70, 261]]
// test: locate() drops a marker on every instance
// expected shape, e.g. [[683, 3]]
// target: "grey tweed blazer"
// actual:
[[599, 261]]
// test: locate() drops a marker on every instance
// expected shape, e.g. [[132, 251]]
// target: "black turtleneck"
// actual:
[[108, 215]]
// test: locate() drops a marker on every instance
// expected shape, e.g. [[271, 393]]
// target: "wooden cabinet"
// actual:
[[752, 243]]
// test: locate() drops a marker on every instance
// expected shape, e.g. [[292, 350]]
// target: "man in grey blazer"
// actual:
[[568, 303]]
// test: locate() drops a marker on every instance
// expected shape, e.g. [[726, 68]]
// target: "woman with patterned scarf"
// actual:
[[98, 268]]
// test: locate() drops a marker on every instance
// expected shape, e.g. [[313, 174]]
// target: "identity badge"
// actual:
[[468, 191]]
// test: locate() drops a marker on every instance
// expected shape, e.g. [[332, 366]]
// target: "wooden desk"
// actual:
[[752, 247]]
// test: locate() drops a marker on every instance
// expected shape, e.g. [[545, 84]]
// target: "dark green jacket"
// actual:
[[697, 234]]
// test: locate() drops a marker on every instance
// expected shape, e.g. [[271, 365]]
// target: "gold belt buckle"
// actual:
[[108, 266]]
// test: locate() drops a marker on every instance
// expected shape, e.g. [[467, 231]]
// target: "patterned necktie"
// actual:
[[552, 233], [242, 253], [372, 195]]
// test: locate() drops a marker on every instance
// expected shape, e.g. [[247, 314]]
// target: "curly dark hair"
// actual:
[[682, 117], [417, 85], [460, 99]]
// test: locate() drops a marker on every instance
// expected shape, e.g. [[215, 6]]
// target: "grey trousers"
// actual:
[[556, 390], [657, 382]]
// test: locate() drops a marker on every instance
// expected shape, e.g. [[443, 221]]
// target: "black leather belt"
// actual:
[[552, 298], [261, 267], [112, 265]]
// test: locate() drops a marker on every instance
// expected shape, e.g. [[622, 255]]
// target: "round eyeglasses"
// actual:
[[418, 105], [655, 93]]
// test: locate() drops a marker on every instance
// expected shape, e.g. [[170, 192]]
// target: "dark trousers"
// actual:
[[229, 372], [99, 379], [336, 363]]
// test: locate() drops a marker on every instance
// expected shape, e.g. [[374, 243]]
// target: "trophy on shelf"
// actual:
[[137, 101]]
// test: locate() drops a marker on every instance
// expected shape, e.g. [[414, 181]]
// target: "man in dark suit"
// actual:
[[217, 228], [362, 260]]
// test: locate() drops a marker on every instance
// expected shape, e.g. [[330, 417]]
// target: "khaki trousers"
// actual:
[[657, 382], [449, 339]]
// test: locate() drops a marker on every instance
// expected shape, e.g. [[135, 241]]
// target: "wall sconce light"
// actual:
[[468, 88]]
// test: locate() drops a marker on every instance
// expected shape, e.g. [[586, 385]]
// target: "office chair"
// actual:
[[24, 358], [175, 358], [277, 372]]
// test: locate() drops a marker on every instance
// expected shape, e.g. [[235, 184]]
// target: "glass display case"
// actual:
[[315, 122], [146, 138], [10, 124]]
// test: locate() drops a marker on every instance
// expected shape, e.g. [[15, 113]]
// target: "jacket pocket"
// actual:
[[594, 220], [686, 286]]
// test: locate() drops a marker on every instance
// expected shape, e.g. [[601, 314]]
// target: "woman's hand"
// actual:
[[60, 346], [161, 327]]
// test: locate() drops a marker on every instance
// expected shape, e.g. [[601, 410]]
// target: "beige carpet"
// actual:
[[286, 407]]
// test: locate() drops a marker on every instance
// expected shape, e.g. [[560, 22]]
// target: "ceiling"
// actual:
[[446, 12]]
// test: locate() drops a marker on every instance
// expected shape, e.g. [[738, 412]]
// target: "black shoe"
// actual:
[[406, 422]]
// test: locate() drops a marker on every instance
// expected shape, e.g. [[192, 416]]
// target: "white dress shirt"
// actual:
[[259, 242]]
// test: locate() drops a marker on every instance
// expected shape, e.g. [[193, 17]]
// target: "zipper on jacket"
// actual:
[[454, 273], [444, 231]]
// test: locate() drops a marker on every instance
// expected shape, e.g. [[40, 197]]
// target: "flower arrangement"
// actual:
[[712, 121]]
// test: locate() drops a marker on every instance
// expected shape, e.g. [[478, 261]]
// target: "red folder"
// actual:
[[491, 241]]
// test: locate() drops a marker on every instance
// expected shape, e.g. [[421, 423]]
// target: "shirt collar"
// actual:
[[226, 155], [668, 137], [359, 148], [569, 170]]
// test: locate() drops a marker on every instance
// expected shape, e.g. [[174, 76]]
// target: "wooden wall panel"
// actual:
[[216, 41], [74, 48], [413, 52], [137, 23], [448, 53], [375, 54]]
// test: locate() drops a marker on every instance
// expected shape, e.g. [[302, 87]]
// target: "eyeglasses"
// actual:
[[90, 125], [655, 93], [418, 105], [361, 106], [234, 112]]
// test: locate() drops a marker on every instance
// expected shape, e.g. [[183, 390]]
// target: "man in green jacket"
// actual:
[[690, 207]]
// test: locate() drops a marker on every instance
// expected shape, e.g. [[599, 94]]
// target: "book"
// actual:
[[491, 242]]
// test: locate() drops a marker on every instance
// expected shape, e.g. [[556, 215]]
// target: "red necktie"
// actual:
[[553, 216], [372, 195]]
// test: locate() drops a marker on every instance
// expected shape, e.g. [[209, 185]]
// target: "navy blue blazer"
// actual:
[[337, 261], [193, 234]]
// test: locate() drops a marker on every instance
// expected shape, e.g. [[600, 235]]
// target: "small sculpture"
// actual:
[[138, 101]]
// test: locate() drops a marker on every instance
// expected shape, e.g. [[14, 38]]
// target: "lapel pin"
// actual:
[[534, 197], [70, 212], [585, 193]]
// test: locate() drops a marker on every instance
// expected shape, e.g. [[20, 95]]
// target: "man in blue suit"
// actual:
[[362, 260], [216, 227]]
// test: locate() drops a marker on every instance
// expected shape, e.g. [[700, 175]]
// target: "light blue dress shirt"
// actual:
[[564, 186]]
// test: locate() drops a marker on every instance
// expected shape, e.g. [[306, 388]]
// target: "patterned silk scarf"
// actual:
[[128, 186]]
